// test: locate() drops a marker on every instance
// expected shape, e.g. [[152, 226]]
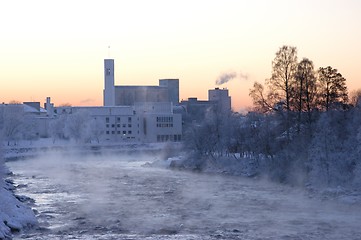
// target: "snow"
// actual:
[[14, 215]]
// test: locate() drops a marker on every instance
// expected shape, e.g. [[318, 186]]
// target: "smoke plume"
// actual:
[[243, 76], [226, 77]]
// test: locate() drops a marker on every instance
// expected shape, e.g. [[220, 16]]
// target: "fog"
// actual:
[[115, 196]]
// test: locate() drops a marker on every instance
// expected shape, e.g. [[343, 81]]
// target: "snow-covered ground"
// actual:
[[14, 215]]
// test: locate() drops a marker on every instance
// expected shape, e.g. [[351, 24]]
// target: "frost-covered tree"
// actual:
[[57, 127], [30, 129], [12, 122], [355, 98], [77, 126], [95, 128], [329, 155], [2, 162]]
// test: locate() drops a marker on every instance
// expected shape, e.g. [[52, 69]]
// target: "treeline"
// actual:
[[16, 125], [304, 128]]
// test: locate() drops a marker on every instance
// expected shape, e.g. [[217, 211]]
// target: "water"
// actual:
[[116, 197]]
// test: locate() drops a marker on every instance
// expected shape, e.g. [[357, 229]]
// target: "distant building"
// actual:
[[143, 122], [196, 110], [221, 98], [167, 91], [27, 120]]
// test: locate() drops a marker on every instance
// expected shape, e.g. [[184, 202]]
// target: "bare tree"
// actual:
[[333, 89], [284, 67], [355, 98], [260, 102], [305, 89]]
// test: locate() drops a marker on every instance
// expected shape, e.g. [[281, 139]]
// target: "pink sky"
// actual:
[[57, 49]]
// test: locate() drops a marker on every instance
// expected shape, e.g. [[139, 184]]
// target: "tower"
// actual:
[[221, 97], [173, 89], [109, 88]]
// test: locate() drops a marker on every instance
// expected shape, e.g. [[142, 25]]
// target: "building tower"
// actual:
[[109, 88], [221, 97], [173, 89]]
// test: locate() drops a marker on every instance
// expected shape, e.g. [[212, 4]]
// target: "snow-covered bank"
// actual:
[[33, 148], [247, 167], [14, 215]]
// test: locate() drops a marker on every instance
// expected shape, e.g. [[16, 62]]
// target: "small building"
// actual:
[[196, 110], [221, 98]]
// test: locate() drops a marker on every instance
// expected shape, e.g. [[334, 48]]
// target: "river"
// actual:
[[113, 196]]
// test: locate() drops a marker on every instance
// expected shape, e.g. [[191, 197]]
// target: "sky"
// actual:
[[56, 48]]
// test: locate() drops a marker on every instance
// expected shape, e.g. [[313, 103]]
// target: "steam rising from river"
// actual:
[[84, 194]]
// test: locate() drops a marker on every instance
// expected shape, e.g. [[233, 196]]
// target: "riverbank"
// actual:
[[234, 165], [25, 149], [15, 216]]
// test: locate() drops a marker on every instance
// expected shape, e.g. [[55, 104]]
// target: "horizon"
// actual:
[[57, 50]]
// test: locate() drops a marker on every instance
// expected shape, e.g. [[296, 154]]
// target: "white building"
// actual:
[[143, 122], [130, 113], [125, 95]]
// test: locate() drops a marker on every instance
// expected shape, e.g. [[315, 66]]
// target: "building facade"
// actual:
[[166, 91], [146, 122], [221, 98]]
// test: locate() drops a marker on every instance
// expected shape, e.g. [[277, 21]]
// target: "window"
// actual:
[[107, 120], [113, 125], [107, 125], [124, 125], [118, 125], [129, 119], [113, 132], [107, 132], [124, 132], [118, 119], [129, 132], [118, 132], [129, 125]]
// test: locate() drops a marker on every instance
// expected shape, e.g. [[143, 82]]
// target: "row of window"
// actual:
[[165, 125], [118, 125], [172, 138], [118, 132], [164, 119], [107, 119]]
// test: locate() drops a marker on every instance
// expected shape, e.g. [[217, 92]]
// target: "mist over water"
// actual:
[[109, 196]]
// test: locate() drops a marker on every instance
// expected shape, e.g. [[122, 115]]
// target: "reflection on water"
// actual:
[[115, 197]]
